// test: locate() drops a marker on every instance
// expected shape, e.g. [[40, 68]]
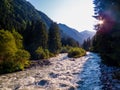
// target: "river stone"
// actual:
[[43, 82], [63, 85], [53, 75], [71, 88]]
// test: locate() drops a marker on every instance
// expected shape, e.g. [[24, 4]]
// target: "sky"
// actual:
[[76, 14]]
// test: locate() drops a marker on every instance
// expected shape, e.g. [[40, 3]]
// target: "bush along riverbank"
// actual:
[[76, 52]]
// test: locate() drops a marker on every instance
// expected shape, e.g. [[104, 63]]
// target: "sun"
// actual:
[[100, 22]]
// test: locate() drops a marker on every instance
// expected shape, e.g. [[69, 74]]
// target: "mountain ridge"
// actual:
[[73, 33]]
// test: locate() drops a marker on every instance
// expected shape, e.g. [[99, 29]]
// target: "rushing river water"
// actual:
[[64, 74], [90, 76]]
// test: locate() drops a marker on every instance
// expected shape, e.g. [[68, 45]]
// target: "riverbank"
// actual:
[[110, 77]]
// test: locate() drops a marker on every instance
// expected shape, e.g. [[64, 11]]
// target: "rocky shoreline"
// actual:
[[110, 77], [39, 63]]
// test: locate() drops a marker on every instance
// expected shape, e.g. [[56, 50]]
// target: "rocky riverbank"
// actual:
[[110, 77]]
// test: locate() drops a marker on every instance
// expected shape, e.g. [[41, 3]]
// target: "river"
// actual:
[[64, 74]]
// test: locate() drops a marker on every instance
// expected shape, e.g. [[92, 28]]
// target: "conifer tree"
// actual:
[[36, 35], [41, 34], [54, 38]]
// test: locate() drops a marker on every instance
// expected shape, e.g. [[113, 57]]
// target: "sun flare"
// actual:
[[100, 22]]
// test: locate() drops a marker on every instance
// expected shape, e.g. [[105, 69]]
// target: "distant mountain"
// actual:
[[78, 36], [70, 32], [66, 32], [87, 34]]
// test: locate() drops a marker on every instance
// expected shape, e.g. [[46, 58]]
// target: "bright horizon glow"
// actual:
[[76, 14]]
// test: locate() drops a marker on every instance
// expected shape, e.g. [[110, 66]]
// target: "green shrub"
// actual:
[[22, 59], [41, 53], [18, 39], [7, 44], [76, 52], [7, 65], [15, 62], [12, 57], [65, 49], [47, 53], [52, 54]]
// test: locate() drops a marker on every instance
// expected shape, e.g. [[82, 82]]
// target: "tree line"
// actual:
[[107, 39]]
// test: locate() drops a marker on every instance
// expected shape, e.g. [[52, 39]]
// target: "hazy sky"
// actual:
[[74, 13]]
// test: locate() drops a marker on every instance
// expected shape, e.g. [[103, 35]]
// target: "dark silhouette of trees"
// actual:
[[36, 35], [87, 44], [69, 42], [54, 38], [107, 39]]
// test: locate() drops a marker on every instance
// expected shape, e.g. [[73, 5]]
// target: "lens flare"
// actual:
[[100, 22]]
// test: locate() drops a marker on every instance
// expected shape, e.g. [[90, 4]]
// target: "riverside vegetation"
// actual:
[[25, 35], [14, 57]]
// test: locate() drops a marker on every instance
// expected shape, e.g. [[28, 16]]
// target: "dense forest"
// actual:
[[107, 39], [26, 33]]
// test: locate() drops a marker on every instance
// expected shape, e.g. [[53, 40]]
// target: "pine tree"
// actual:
[[41, 34], [54, 38], [87, 44], [36, 35]]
